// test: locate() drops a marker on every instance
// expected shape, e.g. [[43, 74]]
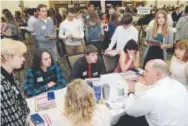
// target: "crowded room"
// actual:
[[94, 63]]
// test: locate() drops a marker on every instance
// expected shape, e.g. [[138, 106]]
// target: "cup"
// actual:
[[106, 91]]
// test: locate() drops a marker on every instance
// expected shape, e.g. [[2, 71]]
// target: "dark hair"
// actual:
[[90, 49], [126, 19], [186, 9], [31, 11], [41, 6], [131, 45], [71, 10], [37, 58], [17, 14], [5, 10], [9, 18]]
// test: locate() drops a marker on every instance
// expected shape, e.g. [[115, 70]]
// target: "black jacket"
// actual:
[[80, 69]]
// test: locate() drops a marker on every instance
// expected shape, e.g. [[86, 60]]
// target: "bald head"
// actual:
[[155, 70], [159, 65]]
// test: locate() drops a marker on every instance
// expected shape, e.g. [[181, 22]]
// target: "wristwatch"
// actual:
[[130, 93]]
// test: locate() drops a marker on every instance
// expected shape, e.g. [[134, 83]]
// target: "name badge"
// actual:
[[39, 79], [43, 27], [84, 73], [95, 74]]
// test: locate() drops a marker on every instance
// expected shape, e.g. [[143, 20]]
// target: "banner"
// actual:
[[143, 10]]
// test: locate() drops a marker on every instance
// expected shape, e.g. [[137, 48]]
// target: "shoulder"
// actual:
[[133, 29]]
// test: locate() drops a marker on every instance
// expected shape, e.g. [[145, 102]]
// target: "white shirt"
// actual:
[[30, 24], [73, 27], [165, 104], [122, 35], [177, 69], [101, 117]]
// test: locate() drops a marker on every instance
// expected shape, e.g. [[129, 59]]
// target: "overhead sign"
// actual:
[[143, 10]]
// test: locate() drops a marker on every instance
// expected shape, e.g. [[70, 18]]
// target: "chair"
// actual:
[[73, 58], [110, 62]]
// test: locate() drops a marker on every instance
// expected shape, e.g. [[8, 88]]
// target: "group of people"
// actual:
[[166, 103]]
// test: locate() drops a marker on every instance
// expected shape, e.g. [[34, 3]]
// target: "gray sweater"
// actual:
[[42, 30], [182, 29], [166, 40]]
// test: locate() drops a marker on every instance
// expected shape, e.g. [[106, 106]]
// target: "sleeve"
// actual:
[[61, 82], [136, 36], [102, 31], [76, 71], [138, 106], [30, 83], [170, 37], [61, 31], [113, 40], [81, 30], [179, 24], [148, 34], [38, 32]]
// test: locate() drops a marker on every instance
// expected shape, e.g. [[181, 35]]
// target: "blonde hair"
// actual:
[[183, 44], [79, 102], [156, 25], [12, 47]]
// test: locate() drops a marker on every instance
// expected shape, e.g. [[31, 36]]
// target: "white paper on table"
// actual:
[[118, 103]]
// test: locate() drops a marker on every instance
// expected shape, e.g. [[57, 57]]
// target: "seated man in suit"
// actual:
[[88, 66]]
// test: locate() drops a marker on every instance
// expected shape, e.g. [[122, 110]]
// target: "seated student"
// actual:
[[44, 75], [80, 108], [179, 61], [88, 66], [129, 58]]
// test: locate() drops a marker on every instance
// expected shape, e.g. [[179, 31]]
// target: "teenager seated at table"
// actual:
[[80, 108], [88, 66], [44, 75], [129, 58], [179, 62]]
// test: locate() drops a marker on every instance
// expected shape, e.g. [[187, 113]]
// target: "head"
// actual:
[[181, 50], [17, 14], [160, 20], [155, 70], [42, 58], [79, 101], [70, 14], [90, 53], [5, 10], [177, 9], [91, 7], [9, 17], [42, 10], [94, 18], [12, 52], [126, 19], [131, 47]]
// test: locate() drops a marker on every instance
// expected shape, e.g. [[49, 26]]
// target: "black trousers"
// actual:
[[127, 120]]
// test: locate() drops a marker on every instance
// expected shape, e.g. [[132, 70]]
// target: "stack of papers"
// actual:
[[42, 102], [118, 103]]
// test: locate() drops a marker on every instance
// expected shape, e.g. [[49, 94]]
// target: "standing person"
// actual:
[[44, 75], [88, 66], [176, 14], [182, 26], [162, 33], [165, 103], [45, 33], [71, 31], [179, 62], [94, 31], [80, 108], [123, 33], [14, 109]]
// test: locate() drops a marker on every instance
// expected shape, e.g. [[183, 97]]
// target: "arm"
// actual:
[[170, 40], [61, 82], [30, 83], [62, 31], [138, 105], [137, 62], [113, 40], [124, 66], [179, 24]]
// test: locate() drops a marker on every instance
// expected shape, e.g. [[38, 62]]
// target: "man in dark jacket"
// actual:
[[88, 66]]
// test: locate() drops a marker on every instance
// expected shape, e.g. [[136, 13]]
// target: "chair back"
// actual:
[[110, 62], [73, 58]]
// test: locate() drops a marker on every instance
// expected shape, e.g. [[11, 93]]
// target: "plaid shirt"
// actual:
[[36, 80], [14, 109]]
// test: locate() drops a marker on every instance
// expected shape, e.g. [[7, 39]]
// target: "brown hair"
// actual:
[[183, 44], [156, 26], [126, 19], [94, 17], [90, 49], [41, 6]]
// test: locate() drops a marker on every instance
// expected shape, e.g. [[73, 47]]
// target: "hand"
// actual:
[[107, 50], [69, 36], [132, 57], [131, 86], [163, 46], [52, 37], [51, 84]]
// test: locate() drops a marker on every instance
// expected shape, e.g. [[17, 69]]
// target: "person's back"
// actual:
[[170, 104], [182, 27]]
